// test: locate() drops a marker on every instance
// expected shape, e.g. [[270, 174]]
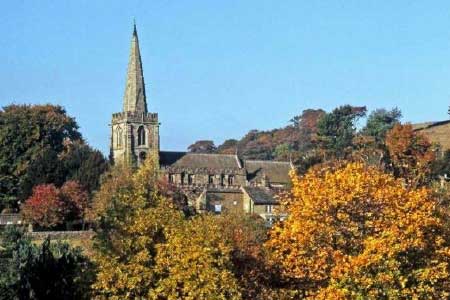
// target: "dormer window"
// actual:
[[141, 136]]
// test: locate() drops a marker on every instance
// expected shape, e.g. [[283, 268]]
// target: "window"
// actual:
[[218, 208], [230, 179], [142, 157], [141, 136], [190, 179], [269, 209], [222, 179], [211, 179], [171, 178], [182, 178], [118, 136]]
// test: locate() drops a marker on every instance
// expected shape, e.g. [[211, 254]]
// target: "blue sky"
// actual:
[[216, 69]]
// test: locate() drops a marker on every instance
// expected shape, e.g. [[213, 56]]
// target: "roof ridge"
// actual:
[[269, 161]]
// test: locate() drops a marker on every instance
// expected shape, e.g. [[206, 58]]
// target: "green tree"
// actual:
[[46, 271], [337, 129], [83, 164], [380, 121], [30, 138]]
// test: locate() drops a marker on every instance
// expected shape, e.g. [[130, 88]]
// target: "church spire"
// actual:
[[134, 99]]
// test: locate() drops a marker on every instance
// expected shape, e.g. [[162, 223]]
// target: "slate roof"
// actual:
[[276, 171], [260, 195], [198, 160]]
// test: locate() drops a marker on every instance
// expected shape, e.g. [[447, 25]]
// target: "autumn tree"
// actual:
[[411, 154], [228, 147], [146, 248], [353, 232], [195, 262], [307, 125], [203, 146], [44, 207], [75, 200]]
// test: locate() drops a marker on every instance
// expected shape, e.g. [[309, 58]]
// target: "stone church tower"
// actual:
[[134, 131]]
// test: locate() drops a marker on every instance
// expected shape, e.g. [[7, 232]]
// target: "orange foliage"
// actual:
[[354, 232], [411, 153]]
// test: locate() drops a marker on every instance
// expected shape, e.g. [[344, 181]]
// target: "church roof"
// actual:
[[276, 171], [198, 160], [260, 195]]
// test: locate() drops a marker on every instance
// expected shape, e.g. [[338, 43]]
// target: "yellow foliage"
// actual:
[[357, 233], [146, 249]]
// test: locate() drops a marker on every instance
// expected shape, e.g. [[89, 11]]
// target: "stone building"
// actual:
[[212, 182], [134, 131]]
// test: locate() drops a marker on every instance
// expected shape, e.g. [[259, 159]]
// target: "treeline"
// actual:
[[311, 130]]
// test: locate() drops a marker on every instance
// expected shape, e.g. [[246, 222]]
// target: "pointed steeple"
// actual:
[[134, 99]]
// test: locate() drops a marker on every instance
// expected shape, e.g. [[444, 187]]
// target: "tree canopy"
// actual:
[[41, 144], [353, 232]]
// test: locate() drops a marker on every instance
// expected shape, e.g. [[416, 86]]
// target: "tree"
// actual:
[[44, 207], [307, 123], [336, 129], [195, 262], [228, 147], [75, 200], [411, 154], [29, 136], [146, 248], [353, 232], [42, 271], [283, 152], [257, 277], [441, 166], [380, 121], [202, 146], [84, 165]]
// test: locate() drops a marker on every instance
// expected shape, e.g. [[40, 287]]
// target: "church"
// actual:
[[212, 182]]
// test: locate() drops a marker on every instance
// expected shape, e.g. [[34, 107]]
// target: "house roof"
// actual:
[[198, 160], [260, 195], [276, 171]]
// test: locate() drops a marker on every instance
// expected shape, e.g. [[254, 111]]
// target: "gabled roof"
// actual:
[[276, 171], [198, 160], [260, 195]]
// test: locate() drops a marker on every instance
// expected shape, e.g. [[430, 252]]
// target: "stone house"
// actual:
[[212, 182]]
